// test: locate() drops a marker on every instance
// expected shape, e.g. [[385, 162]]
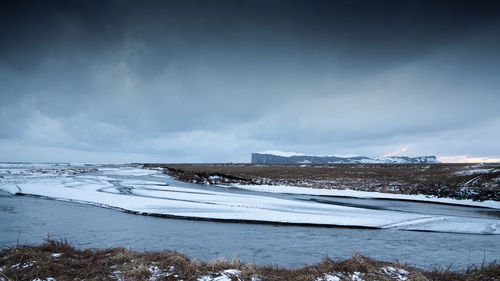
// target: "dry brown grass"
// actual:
[[30, 262], [485, 272], [442, 180], [37, 261]]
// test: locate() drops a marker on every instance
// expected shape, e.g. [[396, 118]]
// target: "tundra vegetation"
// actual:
[[478, 182], [58, 260]]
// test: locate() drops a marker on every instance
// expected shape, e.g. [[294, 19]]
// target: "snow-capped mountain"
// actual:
[[293, 157]]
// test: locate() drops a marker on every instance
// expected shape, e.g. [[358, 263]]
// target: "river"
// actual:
[[28, 219]]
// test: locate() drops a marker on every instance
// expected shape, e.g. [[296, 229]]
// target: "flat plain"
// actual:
[[478, 182]]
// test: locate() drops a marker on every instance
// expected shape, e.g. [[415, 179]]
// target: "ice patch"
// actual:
[[128, 171], [124, 192], [363, 194]]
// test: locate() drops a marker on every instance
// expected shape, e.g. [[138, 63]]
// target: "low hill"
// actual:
[[292, 157]]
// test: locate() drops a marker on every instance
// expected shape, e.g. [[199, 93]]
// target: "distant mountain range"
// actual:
[[293, 157]]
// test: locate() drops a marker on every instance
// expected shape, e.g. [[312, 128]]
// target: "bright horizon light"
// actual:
[[466, 159]]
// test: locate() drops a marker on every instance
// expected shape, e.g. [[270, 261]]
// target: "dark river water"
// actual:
[[25, 219]]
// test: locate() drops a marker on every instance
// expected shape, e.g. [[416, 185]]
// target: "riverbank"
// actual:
[[459, 238], [477, 182], [139, 190], [58, 260]]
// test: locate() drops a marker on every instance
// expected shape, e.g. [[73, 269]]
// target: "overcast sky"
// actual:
[[213, 81]]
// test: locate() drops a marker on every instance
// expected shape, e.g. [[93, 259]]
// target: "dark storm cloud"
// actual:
[[380, 31], [206, 80]]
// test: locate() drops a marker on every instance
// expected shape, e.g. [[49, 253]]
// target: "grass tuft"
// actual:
[[57, 259]]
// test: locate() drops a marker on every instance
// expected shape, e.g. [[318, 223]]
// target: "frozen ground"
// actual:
[[365, 194], [145, 191]]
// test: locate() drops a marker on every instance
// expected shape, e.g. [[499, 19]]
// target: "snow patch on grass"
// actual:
[[474, 171], [398, 274], [226, 275]]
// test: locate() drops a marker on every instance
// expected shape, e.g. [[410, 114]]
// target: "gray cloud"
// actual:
[[214, 81]]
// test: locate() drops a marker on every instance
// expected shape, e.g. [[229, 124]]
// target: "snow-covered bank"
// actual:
[[365, 194], [136, 190], [191, 203], [474, 182]]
